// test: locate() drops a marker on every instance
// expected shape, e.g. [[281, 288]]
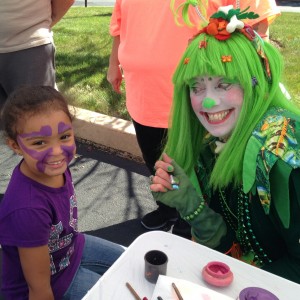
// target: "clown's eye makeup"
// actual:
[[224, 86], [197, 88]]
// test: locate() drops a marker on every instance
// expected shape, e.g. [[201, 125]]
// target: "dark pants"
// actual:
[[32, 66], [151, 142]]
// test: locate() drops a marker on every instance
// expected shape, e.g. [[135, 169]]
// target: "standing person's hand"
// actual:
[[114, 74], [114, 77]]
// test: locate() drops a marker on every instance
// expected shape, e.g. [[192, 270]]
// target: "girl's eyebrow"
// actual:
[[62, 127], [45, 131], [36, 137], [66, 130]]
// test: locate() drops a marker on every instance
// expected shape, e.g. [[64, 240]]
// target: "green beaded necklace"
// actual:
[[241, 224]]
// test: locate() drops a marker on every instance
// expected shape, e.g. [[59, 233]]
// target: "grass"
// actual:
[[83, 47], [285, 33]]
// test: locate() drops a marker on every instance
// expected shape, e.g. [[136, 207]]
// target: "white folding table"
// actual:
[[186, 260]]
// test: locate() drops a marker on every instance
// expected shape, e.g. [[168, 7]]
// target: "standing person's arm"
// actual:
[[114, 74], [262, 28], [59, 9], [36, 269], [267, 10]]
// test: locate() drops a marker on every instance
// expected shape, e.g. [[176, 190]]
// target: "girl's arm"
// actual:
[[36, 269]]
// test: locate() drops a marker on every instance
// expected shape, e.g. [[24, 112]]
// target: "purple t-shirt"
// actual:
[[33, 215]]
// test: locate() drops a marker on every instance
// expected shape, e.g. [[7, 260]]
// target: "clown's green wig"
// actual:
[[185, 138]]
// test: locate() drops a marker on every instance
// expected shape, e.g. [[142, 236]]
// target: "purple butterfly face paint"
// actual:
[[40, 156], [68, 150], [49, 148]]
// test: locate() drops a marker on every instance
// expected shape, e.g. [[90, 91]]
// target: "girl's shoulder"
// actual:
[[23, 192]]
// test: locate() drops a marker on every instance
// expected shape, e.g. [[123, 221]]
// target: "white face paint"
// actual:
[[217, 103]]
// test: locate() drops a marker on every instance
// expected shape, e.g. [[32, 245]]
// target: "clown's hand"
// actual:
[[208, 227], [172, 186]]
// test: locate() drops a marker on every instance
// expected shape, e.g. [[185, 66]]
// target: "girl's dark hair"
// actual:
[[28, 101]]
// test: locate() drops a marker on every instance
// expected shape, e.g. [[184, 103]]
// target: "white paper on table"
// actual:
[[188, 290]]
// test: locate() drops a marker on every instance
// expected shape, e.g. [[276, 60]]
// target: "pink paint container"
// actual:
[[217, 273], [255, 293]]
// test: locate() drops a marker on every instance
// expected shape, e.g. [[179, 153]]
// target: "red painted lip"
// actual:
[[216, 122]]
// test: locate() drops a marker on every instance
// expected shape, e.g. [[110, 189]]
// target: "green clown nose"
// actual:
[[208, 103]]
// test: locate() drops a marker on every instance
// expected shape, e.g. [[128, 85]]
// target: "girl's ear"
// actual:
[[14, 146]]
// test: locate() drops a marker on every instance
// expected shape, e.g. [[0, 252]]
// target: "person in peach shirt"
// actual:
[[147, 45]]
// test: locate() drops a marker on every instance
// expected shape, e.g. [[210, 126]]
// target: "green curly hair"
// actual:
[[185, 137]]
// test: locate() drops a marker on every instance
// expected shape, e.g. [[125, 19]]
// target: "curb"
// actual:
[[104, 130]]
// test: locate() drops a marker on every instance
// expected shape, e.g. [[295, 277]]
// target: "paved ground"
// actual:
[[94, 3]]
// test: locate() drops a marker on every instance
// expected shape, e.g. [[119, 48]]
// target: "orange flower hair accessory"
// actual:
[[203, 44], [226, 58], [186, 60], [226, 21]]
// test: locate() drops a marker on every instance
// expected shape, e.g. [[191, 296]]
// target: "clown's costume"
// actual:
[[233, 147]]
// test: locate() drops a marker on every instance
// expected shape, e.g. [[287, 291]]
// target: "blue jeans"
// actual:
[[98, 255]]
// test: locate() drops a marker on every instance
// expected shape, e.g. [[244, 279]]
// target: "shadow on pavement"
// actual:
[[126, 231]]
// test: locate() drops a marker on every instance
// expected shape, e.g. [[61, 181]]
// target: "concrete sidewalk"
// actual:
[[108, 131]]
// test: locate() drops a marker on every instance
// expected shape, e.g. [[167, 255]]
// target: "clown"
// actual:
[[233, 148]]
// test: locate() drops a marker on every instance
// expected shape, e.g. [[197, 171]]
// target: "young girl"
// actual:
[[234, 148], [44, 255]]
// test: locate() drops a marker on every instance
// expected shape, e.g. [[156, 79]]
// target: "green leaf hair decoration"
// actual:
[[240, 15]]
